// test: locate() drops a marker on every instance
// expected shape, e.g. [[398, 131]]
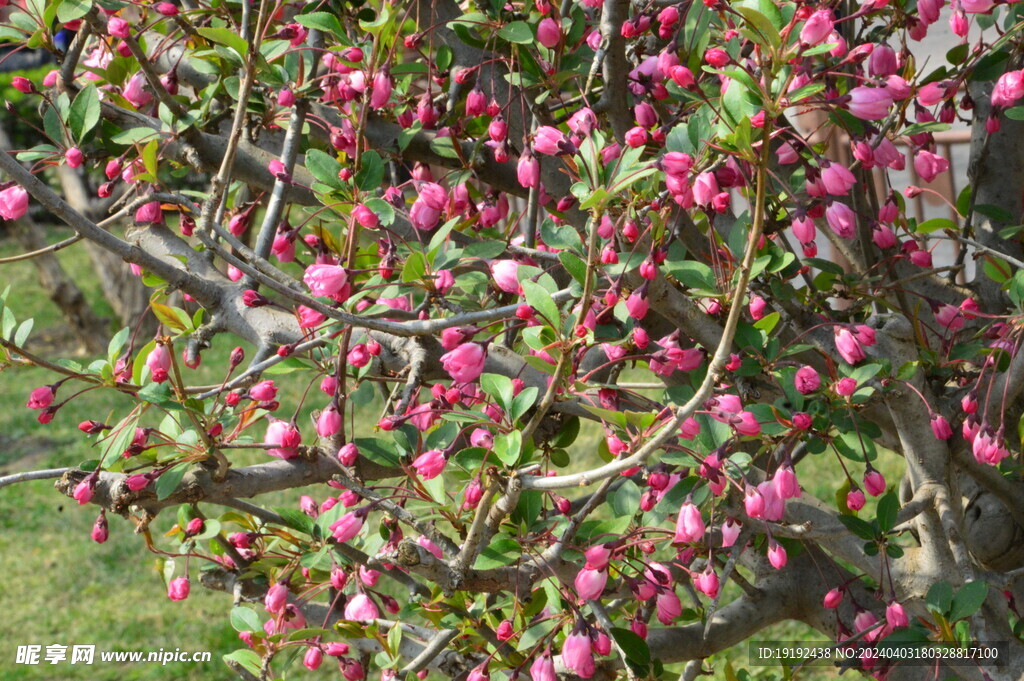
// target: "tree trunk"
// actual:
[[91, 330], [125, 292]]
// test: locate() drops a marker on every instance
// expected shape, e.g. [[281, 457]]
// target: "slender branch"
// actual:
[[715, 366], [48, 474]]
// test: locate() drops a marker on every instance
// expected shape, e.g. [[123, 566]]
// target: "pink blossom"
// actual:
[[578, 656], [849, 346], [598, 557], [528, 170], [777, 555], [1008, 89], [380, 90], [895, 616], [347, 526], [786, 484], [929, 165], [325, 280], [668, 607], [817, 27], [552, 142], [135, 91], [977, 6], [150, 212], [807, 380], [637, 305], [832, 599], [276, 598], [549, 33], [730, 531], [118, 27], [429, 464], [506, 275], [583, 122], [589, 584], [689, 525], [41, 398], [285, 436], [360, 608], [705, 187], [845, 387], [13, 202], [745, 423], [874, 482], [841, 219], [178, 588], [855, 499], [329, 422], [465, 363], [870, 104], [543, 668], [753, 502], [940, 427], [159, 362], [707, 583], [264, 391], [837, 178]]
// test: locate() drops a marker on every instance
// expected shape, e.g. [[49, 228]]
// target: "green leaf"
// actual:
[[940, 597], [1015, 113], [517, 32], [888, 507], [930, 126], [568, 433], [499, 387], [84, 113], [574, 265], [541, 301], [226, 37], [296, 519], [245, 619], [384, 210], [247, 659], [371, 171], [118, 441], [861, 528], [169, 481], [509, 447], [323, 21], [763, 25], [503, 550], [934, 225], [133, 135], [324, 167], [636, 649], [415, 267], [69, 10], [968, 599]]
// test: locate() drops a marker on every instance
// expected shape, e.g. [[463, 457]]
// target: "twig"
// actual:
[[52, 248], [47, 474], [715, 367], [429, 531], [433, 649]]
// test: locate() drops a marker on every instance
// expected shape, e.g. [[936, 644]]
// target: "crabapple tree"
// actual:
[[570, 298]]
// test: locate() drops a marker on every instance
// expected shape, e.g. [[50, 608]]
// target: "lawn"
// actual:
[[62, 588]]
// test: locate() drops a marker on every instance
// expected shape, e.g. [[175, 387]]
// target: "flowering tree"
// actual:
[[487, 212]]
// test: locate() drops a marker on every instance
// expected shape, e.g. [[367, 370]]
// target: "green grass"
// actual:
[[62, 588]]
